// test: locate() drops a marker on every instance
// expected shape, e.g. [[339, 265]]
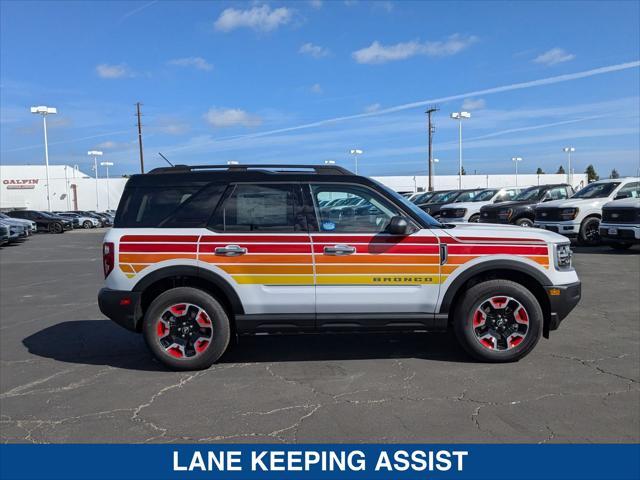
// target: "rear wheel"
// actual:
[[590, 232], [474, 218], [498, 321], [186, 329], [524, 222]]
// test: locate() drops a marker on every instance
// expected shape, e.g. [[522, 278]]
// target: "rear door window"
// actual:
[[261, 208]]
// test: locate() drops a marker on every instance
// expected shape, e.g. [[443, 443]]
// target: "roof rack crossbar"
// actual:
[[267, 168]]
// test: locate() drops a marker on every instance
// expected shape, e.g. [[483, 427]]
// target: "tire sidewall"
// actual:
[[215, 311], [583, 230], [524, 222], [87, 224], [478, 294], [475, 218]]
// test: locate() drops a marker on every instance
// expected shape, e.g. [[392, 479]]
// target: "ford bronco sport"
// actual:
[[200, 254]]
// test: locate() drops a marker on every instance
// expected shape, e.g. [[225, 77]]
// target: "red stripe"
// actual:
[[382, 238], [255, 238], [496, 249], [377, 249], [259, 248], [159, 238], [158, 247], [491, 240]]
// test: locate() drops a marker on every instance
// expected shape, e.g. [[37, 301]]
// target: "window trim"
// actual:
[[316, 215], [298, 209]]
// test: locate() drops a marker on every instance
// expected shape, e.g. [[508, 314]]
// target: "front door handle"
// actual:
[[230, 250], [339, 250]]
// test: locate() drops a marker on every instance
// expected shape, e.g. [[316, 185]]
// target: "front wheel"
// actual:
[[87, 224], [475, 218], [524, 222], [498, 321], [56, 228], [186, 329], [590, 232]]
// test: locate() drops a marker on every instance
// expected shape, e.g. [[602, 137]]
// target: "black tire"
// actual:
[[477, 296], [590, 232], [87, 224], [524, 222], [56, 227], [475, 218], [620, 246], [220, 328]]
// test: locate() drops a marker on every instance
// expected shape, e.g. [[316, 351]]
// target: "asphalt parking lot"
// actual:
[[67, 374]]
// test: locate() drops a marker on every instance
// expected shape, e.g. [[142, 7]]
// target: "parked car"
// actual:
[[521, 210], [30, 226], [82, 220], [579, 216], [46, 222], [17, 230], [436, 202], [620, 225], [248, 252], [463, 211], [86, 213], [107, 220], [4, 233]]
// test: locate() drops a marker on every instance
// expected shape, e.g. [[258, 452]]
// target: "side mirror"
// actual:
[[398, 226]]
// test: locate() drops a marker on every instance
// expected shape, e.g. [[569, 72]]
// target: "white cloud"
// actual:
[[313, 50], [262, 18], [378, 53], [473, 104], [316, 88], [198, 63], [231, 117], [554, 56], [106, 145], [374, 107], [105, 70], [315, 3], [388, 6]]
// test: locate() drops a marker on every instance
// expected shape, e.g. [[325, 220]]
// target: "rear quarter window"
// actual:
[[184, 206]]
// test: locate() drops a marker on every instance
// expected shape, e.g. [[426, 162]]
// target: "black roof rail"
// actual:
[[266, 168]]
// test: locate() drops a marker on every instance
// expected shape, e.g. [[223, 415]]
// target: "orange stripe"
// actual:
[[267, 269], [153, 257], [219, 260], [399, 259]]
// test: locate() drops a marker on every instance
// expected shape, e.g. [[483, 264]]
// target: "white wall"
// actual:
[[24, 186], [445, 182]]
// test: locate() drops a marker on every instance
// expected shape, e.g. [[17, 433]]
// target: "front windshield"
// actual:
[[444, 197], [533, 193], [424, 216], [423, 197], [468, 196], [484, 196], [597, 190]]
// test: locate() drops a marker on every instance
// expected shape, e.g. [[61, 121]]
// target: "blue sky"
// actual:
[[304, 82]]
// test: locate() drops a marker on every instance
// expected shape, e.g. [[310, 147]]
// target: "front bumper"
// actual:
[[622, 232], [568, 229], [121, 306], [562, 299]]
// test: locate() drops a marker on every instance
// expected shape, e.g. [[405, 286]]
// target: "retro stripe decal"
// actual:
[[293, 259]]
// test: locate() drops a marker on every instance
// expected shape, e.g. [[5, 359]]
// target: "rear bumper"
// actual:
[[122, 307], [562, 299]]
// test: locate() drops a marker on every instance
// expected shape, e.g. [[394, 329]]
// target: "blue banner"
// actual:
[[322, 461]]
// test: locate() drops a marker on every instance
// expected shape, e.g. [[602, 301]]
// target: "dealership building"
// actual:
[[25, 186]]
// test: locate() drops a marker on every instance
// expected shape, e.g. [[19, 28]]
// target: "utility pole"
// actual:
[[140, 137], [431, 128]]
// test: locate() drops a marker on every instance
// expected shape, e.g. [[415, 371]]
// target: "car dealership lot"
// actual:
[[67, 374]]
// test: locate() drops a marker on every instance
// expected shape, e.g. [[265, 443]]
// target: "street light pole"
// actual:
[[107, 165], [95, 154], [44, 111], [516, 160], [433, 166], [355, 152], [460, 116], [569, 151]]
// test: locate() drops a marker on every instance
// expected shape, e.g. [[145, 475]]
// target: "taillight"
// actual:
[[108, 256]]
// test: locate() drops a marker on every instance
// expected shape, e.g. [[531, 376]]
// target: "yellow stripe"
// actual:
[[267, 269], [274, 279], [385, 280]]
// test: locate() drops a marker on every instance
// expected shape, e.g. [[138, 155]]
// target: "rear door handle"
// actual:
[[230, 250], [339, 250]]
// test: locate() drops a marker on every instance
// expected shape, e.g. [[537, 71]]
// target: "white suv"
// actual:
[[579, 216], [469, 211]]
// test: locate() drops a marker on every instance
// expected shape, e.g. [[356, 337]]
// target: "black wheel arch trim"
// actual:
[[484, 267], [197, 272]]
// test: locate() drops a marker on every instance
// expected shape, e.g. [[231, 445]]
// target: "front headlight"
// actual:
[[563, 255], [459, 212], [568, 213], [506, 213]]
